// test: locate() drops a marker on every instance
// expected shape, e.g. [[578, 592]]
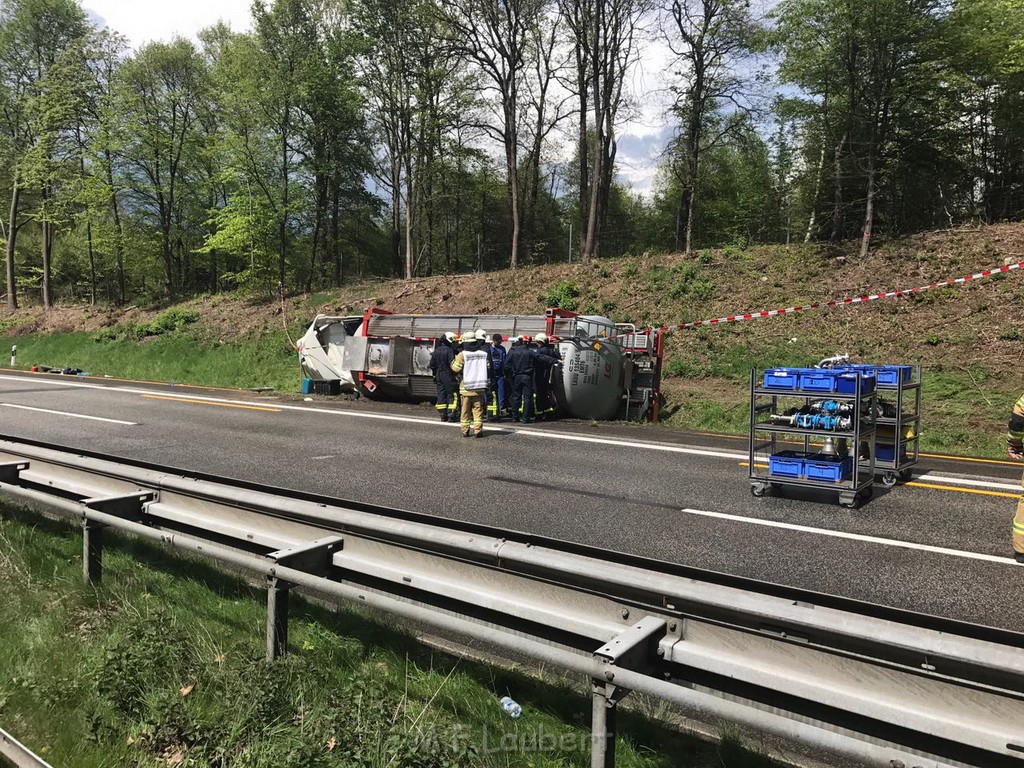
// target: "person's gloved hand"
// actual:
[[1014, 450]]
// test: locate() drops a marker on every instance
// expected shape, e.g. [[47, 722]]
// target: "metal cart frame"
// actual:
[[899, 467], [765, 400]]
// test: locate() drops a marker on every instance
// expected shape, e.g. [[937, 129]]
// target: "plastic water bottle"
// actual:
[[513, 709]]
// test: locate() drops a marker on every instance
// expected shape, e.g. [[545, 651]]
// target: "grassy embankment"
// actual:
[[162, 665], [968, 339]]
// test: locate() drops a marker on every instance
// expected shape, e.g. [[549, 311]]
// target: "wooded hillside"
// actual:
[[408, 138]]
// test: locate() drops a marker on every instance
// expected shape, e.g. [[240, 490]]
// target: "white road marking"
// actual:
[[933, 478], [73, 415], [853, 536], [647, 446]]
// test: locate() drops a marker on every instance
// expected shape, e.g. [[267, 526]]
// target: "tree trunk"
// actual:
[[282, 226], [812, 222], [335, 235], [869, 211], [47, 252], [92, 264], [12, 236], [118, 233], [837, 199]]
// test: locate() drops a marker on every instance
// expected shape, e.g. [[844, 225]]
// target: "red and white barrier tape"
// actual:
[[835, 303]]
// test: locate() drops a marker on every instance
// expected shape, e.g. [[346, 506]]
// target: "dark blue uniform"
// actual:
[[520, 367], [445, 379]]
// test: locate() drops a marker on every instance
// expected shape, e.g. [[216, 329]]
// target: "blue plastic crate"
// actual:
[[827, 469], [846, 382], [787, 464], [892, 375], [887, 452], [307, 386], [812, 380], [781, 378]]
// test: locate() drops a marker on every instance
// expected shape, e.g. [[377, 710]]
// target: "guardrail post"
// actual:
[[633, 648], [129, 506], [92, 551], [278, 591], [603, 724], [313, 557]]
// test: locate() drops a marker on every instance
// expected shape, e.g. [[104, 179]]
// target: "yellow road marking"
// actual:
[[964, 490], [212, 402], [934, 487], [971, 460]]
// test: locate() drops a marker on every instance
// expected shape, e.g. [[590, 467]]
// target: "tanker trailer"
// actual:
[[386, 356]]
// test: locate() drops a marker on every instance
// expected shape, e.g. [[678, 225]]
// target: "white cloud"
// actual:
[[142, 21]]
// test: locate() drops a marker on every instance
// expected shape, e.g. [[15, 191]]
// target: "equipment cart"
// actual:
[[807, 426], [898, 422]]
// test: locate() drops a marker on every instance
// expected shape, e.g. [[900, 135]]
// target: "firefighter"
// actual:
[[472, 363], [484, 341], [446, 381], [499, 398], [520, 367], [545, 406], [1015, 450]]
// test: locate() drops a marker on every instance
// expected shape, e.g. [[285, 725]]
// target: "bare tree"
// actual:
[[496, 37], [711, 39], [605, 36]]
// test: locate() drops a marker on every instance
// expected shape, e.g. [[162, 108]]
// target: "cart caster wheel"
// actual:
[[906, 474], [889, 479], [848, 503], [758, 489]]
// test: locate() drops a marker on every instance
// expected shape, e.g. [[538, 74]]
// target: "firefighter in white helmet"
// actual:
[[473, 364], [545, 401], [445, 381]]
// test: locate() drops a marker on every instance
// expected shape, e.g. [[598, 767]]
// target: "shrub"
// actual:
[[564, 295]]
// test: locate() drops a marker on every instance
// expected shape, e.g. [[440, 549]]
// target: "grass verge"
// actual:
[[162, 665]]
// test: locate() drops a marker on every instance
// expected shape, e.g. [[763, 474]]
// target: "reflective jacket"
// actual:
[[474, 364], [1015, 430]]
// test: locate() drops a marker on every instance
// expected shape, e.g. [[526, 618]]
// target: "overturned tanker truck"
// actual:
[[609, 371]]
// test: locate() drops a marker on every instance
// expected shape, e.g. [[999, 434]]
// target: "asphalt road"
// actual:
[[939, 545]]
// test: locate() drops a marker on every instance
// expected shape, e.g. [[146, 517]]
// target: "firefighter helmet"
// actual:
[[541, 338], [525, 339], [467, 338], [451, 337], [481, 335]]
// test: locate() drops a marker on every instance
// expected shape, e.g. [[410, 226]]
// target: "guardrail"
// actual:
[[18, 754], [874, 684]]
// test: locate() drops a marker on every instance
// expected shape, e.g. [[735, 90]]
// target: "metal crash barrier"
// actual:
[[876, 685]]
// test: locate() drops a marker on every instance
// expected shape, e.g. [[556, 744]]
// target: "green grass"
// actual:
[[964, 409], [164, 660], [179, 356]]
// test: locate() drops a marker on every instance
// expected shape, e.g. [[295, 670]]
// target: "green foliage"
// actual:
[[163, 662], [564, 295], [692, 281], [171, 320]]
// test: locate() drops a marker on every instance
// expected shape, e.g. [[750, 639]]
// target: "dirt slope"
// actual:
[[975, 332]]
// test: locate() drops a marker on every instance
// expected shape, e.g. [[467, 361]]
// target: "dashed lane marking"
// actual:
[[72, 415], [649, 446]]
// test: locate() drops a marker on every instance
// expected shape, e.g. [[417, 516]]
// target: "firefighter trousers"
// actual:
[[522, 395], [446, 398], [472, 413], [1018, 527]]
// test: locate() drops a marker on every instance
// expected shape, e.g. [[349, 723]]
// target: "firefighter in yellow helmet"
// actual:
[[1015, 450], [473, 364]]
